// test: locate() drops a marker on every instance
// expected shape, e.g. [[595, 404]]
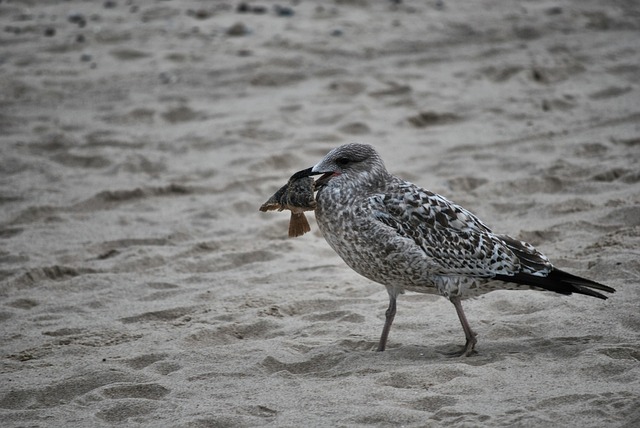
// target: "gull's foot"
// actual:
[[460, 352], [469, 347], [466, 351]]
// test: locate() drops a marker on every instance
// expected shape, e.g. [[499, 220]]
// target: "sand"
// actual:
[[141, 286]]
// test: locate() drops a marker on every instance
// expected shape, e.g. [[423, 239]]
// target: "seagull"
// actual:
[[407, 238]]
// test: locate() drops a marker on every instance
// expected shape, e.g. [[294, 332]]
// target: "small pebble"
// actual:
[[202, 14], [77, 18], [50, 32], [237, 29], [247, 8], [283, 11], [555, 10]]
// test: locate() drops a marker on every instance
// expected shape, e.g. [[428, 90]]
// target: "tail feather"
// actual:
[[560, 282], [531, 259]]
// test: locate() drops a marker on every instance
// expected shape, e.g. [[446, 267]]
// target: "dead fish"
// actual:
[[296, 196]]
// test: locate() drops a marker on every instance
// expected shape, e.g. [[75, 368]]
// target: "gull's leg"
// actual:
[[389, 316], [469, 334]]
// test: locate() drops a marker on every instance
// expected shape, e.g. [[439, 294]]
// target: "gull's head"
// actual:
[[351, 163]]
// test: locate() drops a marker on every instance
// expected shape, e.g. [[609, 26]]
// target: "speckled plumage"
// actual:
[[408, 238]]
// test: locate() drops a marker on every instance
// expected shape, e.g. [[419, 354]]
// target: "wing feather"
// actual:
[[452, 238]]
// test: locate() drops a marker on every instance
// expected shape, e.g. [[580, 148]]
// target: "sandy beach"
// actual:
[[141, 286]]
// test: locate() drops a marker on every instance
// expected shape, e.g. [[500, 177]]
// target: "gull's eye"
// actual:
[[342, 161]]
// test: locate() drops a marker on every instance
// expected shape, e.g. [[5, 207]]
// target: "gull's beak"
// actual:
[[304, 173], [315, 170]]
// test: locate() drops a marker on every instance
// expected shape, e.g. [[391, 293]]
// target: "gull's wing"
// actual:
[[454, 240]]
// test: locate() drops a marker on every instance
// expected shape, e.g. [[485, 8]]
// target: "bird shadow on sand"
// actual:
[[490, 352]]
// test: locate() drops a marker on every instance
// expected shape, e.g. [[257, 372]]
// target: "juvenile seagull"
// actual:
[[408, 238]]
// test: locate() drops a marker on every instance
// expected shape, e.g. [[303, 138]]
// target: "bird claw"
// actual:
[[466, 351]]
